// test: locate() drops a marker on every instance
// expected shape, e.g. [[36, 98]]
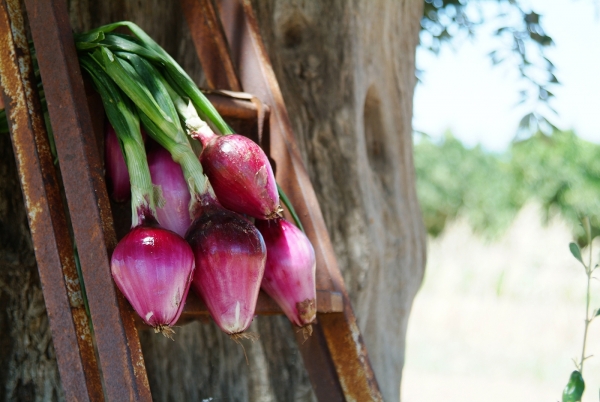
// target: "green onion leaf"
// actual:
[[124, 119]]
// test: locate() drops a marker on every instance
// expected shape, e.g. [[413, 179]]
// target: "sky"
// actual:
[[462, 91]]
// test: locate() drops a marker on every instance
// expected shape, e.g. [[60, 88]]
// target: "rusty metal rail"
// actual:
[[327, 302], [117, 341], [46, 215]]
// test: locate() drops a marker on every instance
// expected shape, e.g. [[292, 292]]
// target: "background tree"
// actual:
[[347, 72], [560, 172]]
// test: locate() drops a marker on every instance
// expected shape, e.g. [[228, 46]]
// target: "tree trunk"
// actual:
[[346, 69]]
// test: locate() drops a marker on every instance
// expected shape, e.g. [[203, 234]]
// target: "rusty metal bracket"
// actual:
[[327, 302], [46, 215], [118, 346]]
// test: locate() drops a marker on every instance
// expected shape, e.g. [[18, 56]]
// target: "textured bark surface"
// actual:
[[347, 74], [346, 69]]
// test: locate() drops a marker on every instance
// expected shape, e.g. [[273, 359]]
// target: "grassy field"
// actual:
[[500, 321]]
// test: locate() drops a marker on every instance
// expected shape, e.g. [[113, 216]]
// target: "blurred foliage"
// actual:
[[523, 42], [452, 179], [560, 172]]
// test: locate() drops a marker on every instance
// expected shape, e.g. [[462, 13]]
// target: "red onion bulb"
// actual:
[[153, 268], [166, 173], [230, 259], [241, 175], [290, 271], [117, 176]]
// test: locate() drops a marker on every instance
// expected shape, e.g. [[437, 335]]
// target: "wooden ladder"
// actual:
[[233, 57]]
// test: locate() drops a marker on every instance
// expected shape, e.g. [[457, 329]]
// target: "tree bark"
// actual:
[[346, 70]]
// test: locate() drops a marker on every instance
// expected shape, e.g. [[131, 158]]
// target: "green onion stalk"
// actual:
[[145, 47], [151, 266], [124, 119], [157, 64], [170, 102], [163, 93], [137, 78]]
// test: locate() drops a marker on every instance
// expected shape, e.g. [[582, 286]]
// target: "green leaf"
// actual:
[[152, 79], [526, 121], [576, 251], [86, 45], [122, 43], [574, 389], [118, 108]]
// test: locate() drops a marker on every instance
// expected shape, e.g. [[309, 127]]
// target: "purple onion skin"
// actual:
[[230, 259], [167, 174], [117, 176], [290, 270], [241, 175], [153, 268]]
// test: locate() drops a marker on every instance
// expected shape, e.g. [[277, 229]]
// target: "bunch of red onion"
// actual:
[[228, 251]]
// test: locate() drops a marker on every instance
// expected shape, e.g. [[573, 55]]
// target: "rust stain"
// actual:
[[14, 92], [81, 319], [350, 358], [211, 45], [71, 278], [17, 24]]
